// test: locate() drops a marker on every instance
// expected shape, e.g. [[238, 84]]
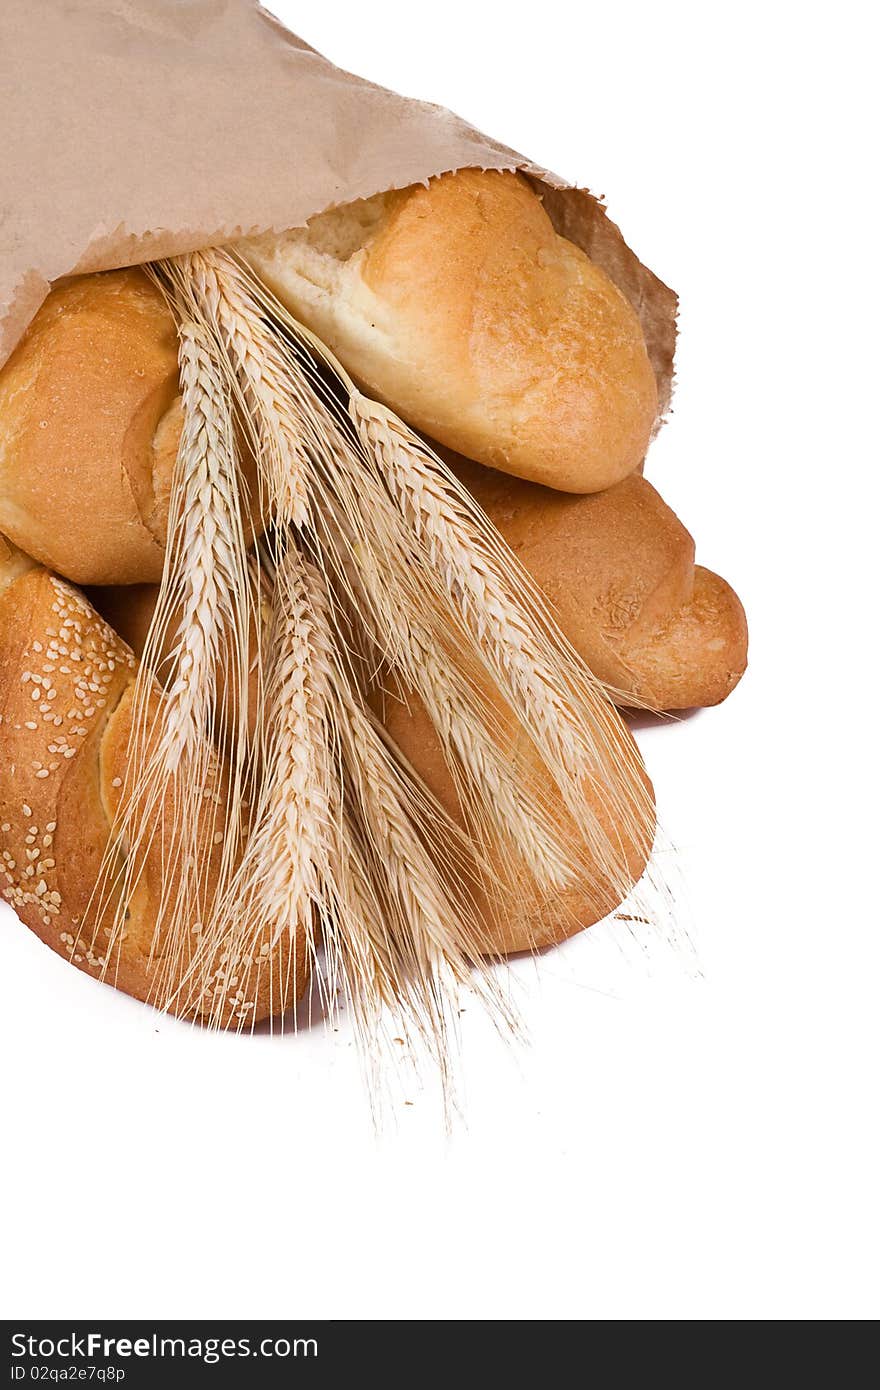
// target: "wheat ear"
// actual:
[[203, 614], [425, 943], [216, 288], [510, 632], [280, 887], [566, 711]]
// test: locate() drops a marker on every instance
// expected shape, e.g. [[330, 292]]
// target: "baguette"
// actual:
[[618, 569], [66, 698], [459, 306], [90, 409]]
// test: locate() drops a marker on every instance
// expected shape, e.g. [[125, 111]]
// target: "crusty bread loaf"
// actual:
[[518, 919], [66, 688], [618, 568], [90, 421], [459, 306], [87, 430]]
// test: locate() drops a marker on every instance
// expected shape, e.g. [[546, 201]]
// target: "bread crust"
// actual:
[[462, 309], [519, 918], [81, 400], [618, 569], [90, 423], [699, 655]]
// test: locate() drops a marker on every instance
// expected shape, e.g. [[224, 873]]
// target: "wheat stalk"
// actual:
[[215, 287], [565, 710], [279, 888], [501, 805], [173, 798], [207, 533], [422, 947]]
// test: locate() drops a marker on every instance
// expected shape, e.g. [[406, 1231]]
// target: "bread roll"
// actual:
[[66, 687], [90, 421], [618, 568], [521, 920], [459, 306]]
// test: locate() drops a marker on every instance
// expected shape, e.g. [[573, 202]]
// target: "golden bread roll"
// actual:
[[618, 568], [90, 421], [521, 920], [66, 691], [459, 306]]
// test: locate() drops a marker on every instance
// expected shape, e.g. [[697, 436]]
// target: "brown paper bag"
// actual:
[[135, 129]]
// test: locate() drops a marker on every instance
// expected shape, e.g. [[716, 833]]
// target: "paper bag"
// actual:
[[135, 129]]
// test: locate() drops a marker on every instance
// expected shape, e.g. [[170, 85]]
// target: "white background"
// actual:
[[666, 1146]]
